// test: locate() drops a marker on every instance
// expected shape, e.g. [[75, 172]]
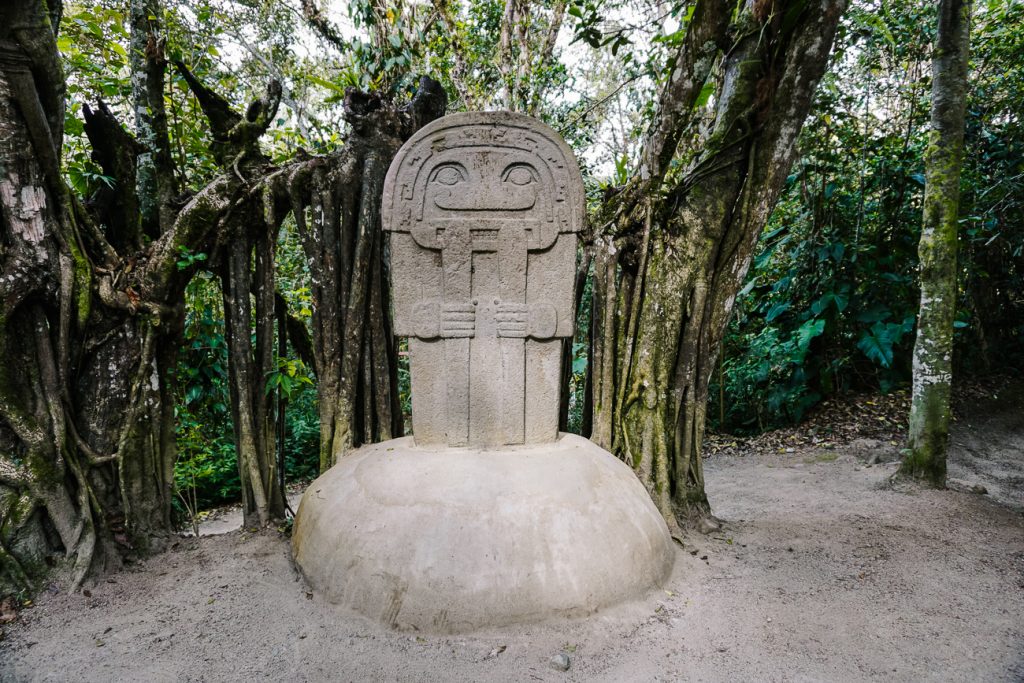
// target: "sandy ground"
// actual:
[[824, 572]]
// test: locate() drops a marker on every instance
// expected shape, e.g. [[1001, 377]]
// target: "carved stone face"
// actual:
[[485, 180], [495, 188], [505, 164]]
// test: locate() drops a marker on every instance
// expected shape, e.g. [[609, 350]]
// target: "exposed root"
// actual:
[[13, 569], [709, 524]]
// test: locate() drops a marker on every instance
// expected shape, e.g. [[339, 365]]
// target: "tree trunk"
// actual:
[[254, 423], [155, 182], [86, 408], [673, 246], [933, 349]]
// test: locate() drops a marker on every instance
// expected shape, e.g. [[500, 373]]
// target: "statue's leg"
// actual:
[[429, 390], [456, 367], [543, 377], [549, 282], [512, 256], [487, 386], [456, 262]]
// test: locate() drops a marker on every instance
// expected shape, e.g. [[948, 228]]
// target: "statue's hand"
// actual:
[[543, 320], [458, 320], [425, 320], [536, 320], [513, 320], [440, 320]]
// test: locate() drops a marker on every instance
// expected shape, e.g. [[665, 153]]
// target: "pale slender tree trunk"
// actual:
[[155, 180], [933, 349]]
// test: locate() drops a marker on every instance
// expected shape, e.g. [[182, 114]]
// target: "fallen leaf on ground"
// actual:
[[496, 651]]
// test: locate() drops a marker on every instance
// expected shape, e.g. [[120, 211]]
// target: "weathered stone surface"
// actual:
[[560, 662], [453, 539], [483, 209], [490, 516]]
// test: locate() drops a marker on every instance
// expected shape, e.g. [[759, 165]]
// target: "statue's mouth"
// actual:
[[472, 199]]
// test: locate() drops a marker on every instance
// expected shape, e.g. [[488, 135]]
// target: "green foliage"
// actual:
[[93, 45], [467, 60], [290, 378], [992, 195], [383, 61], [580, 361], [405, 383], [831, 299], [577, 387], [188, 259], [769, 378], [206, 472], [302, 437], [831, 295]]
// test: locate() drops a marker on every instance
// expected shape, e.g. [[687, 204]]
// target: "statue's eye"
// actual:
[[519, 175], [448, 175]]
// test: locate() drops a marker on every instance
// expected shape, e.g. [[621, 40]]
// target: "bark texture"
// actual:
[[336, 203], [670, 250], [933, 348]]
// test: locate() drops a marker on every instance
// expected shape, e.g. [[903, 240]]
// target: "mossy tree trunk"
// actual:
[[933, 348], [89, 329], [92, 315], [670, 249]]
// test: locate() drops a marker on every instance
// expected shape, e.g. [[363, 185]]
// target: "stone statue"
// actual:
[[486, 515], [483, 214]]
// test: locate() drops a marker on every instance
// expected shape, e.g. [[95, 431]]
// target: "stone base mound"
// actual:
[[455, 539]]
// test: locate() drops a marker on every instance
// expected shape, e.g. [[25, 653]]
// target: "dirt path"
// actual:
[[823, 573], [229, 519]]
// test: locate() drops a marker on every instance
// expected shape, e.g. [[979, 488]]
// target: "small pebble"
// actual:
[[560, 662]]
